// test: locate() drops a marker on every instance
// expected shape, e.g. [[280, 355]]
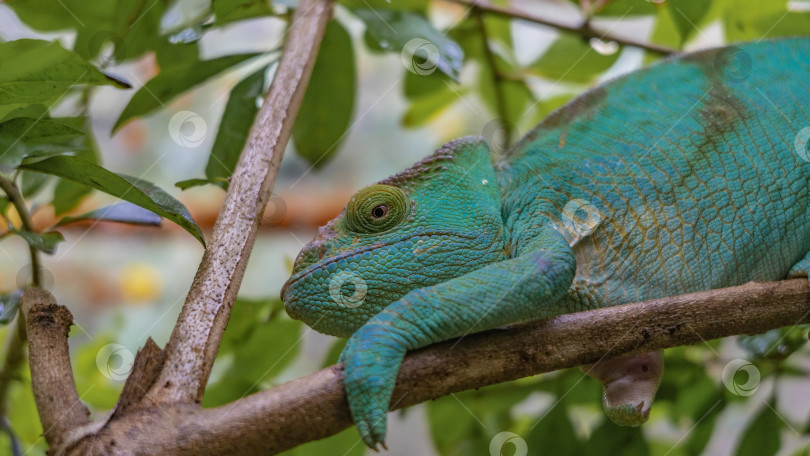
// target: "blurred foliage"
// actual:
[[556, 413]]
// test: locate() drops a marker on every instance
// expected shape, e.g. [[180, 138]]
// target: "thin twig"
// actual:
[[585, 30], [18, 202], [15, 350], [497, 78]]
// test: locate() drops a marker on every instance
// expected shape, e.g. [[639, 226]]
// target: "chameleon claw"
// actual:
[[385, 447]]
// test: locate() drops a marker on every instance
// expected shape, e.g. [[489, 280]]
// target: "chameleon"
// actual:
[[688, 175]]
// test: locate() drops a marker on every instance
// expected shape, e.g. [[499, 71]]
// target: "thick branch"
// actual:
[[314, 406], [58, 404], [585, 30], [196, 337]]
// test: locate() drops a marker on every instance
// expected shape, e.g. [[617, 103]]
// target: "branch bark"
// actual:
[[314, 406], [585, 29], [58, 404], [196, 337]]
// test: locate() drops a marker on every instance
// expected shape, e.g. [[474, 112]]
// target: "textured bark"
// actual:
[[58, 404], [196, 337], [314, 406]]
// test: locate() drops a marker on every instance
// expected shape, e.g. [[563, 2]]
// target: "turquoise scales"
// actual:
[[689, 175]]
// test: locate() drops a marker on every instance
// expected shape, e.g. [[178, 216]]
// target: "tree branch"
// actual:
[[196, 337], [58, 404], [586, 30], [314, 407]]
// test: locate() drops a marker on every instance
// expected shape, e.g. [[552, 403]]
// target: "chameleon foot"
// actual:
[[630, 383]]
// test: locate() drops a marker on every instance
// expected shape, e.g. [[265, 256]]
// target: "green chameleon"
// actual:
[[690, 175]]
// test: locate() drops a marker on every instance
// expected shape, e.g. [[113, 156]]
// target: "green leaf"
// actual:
[[423, 48], [31, 183], [687, 15], [45, 242], [345, 443], [260, 341], [417, 86], [40, 72], [122, 212], [67, 194], [131, 189], [234, 128], [761, 438], [236, 10], [174, 81], [34, 111], [617, 440], [9, 303], [425, 108], [326, 110], [776, 344], [572, 59], [627, 8], [198, 182], [25, 137], [554, 433]]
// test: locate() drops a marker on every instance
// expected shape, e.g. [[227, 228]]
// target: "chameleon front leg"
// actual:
[[521, 288]]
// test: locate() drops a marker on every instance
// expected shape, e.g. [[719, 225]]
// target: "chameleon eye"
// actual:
[[376, 209], [379, 211]]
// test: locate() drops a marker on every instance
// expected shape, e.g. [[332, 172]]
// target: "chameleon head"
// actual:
[[437, 220]]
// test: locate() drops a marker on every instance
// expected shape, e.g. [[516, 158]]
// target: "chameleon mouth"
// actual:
[[309, 270]]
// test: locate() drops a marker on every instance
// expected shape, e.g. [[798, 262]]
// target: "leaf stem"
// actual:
[[15, 352], [497, 77], [17, 200], [585, 30]]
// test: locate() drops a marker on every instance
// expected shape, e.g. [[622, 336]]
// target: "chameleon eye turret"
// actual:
[[376, 209]]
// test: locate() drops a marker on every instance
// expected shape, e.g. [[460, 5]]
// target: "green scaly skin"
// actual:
[[682, 177]]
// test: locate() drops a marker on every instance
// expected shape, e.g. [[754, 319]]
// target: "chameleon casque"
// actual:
[[689, 175]]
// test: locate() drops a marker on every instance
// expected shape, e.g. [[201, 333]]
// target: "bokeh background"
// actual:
[[124, 283]]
